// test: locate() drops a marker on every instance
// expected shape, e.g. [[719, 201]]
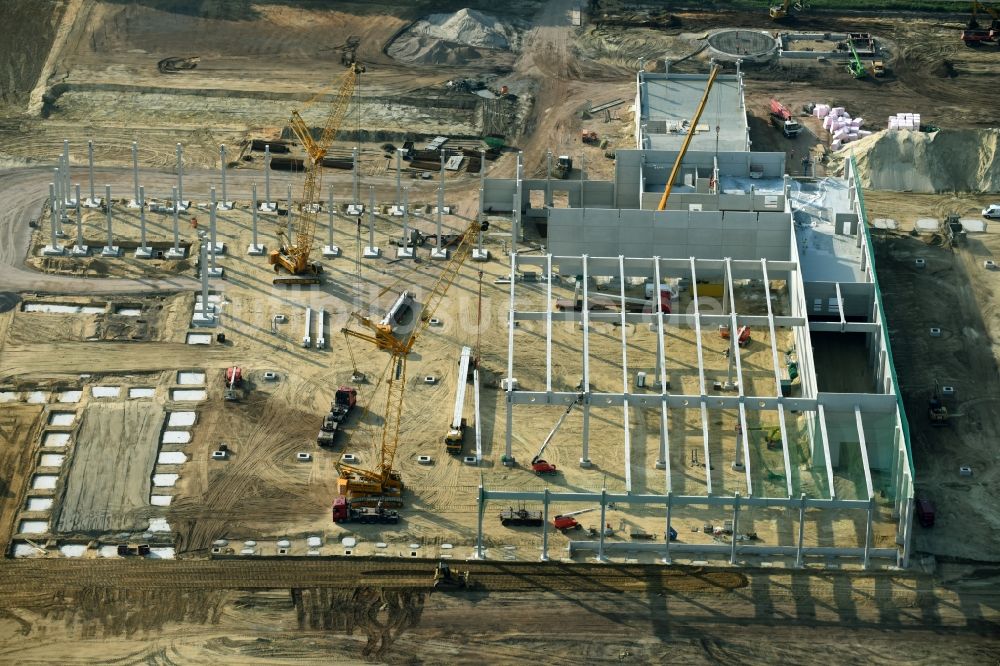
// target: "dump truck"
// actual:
[[345, 512], [343, 403], [781, 118], [511, 517]]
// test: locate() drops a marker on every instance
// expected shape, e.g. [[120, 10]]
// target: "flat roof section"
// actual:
[[667, 101]]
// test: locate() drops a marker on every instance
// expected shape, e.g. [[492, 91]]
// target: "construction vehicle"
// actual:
[[444, 577], [511, 517], [384, 483], [589, 137], [974, 34], [854, 65], [293, 255], [937, 412], [539, 465], [742, 334], [691, 130], [781, 118], [456, 429], [564, 164], [567, 521], [234, 379], [783, 11], [344, 511], [878, 68], [343, 403]]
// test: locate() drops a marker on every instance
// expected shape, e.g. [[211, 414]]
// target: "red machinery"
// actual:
[[742, 337], [344, 512], [234, 379], [566, 521], [539, 466]]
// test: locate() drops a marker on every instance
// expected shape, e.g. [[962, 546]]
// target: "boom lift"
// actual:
[[566, 521], [855, 66], [383, 483], [687, 139], [293, 256], [540, 466]]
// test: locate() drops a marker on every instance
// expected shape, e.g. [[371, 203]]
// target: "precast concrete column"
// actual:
[[267, 178], [90, 165], [222, 173], [604, 515], [440, 213], [481, 510], [143, 251], [332, 211], [545, 525], [736, 528], [213, 249], [135, 176], [666, 545], [180, 175], [53, 248], [175, 252], [289, 208], [478, 252], [79, 247], [482, 168], [371, 251], [802, 530], [548, 179], [255, 249], [399, 172], [405, 251], [109, 250], [357, 176]]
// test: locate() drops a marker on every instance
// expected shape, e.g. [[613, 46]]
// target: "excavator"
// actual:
[[783, 11], [293, 255], [974, 34], [383, 484]]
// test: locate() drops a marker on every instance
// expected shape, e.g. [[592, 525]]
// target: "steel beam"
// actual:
[[676, 500]]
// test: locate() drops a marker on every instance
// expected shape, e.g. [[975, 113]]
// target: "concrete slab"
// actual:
[[80, 250], [441, 254], [179, 253], [53, 251], [269, 208], [330, 251], [216, 272], [219, 249], [404, 253], [111, 251], [204, 320], [356, 209], [371, 253], [480, 255], [256, 250], [144, 253]]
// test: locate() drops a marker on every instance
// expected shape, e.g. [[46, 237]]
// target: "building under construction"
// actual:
[[788, 419]]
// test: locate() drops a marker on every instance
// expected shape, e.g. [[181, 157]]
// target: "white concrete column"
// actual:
[[134, 203], [53, 248], [214, 247], [58, 199], [204, 311], [143, 251], [406, 250], [666, 536], [545, 524], [92, 202], [307, 336], [176, 252], [79, 250], [371, 251], [330, 250], [548, 178], [180, 178], [357, 176], [109, 250], [478, 252], [255, 249], [802, 529], [396, 209], [267, 207], [225, 204]]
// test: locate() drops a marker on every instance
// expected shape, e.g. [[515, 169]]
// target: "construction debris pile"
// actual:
[[840, 125], [942, 161]]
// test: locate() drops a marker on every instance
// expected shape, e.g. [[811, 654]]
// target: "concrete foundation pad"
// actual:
[[443, 253], [396, 211], [224, 205], [111, 251], [256, 250], [480, 255], [183, 205], [220, 248], [371, 253], [179, 253], [216, 272], [204, 319], [660, 464], [356, 209], [143, 253], [132, 203], [586, 463], [737, 467], [80, 251], [198, 308], [53, 251], [268, 208], [404, 253], [93, 203], [331, 251], [61, 233]]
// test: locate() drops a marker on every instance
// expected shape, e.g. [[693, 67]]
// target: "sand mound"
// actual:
[[962, 160], [466, 26], [453, 39]]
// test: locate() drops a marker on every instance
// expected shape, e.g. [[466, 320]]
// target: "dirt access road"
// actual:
[[282, 611]]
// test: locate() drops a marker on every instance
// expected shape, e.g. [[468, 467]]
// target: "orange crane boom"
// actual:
[[293, 255], [383, 481]]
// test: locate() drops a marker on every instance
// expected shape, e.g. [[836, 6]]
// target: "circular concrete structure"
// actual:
[[746, 45]]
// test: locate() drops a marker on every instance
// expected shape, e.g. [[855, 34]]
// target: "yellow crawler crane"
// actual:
[[383, 484], [293, 255], [687, 139]]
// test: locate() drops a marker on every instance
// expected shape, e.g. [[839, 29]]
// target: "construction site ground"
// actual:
[[96, 76]]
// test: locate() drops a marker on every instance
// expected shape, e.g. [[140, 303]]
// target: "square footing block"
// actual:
[[179, 253], [80, 251], [330, 251], [255, 250], [133, 204], [586, 463], [53, 251], [268, 208], [144, 253], [204, 319], [356, 209], [480, 255], [443, 253], [220, 248], [661, 464], [404, 253], [216, 272], [111, 251], [371, 253], [224, 205], [93, 203], [396, 211]]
